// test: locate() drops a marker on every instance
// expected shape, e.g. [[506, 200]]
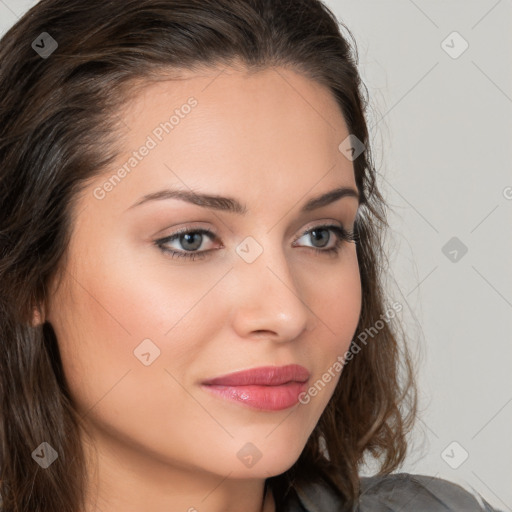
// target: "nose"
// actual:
[[268, 301]]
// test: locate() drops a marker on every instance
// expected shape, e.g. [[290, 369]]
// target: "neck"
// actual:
[[122, 481]]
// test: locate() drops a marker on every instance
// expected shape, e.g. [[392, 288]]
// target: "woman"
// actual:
[[177, 334]]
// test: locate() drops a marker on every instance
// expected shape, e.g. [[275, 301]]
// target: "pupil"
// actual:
[[326, 235], [186, 237]]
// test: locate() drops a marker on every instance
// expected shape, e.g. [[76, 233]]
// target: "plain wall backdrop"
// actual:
[[440, 85]]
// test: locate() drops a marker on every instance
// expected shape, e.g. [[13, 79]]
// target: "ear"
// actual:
[[37, 317]]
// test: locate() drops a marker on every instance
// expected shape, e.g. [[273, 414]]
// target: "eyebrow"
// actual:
[[231, 205]]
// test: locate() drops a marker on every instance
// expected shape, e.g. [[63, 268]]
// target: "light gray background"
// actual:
[[441, 131]]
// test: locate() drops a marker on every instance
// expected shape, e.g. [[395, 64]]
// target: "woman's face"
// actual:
[[140, 331]]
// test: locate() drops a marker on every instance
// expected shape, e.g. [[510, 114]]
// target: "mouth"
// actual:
[[270, 388]]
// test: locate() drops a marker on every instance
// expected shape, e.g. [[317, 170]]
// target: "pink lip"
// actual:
[[269, 387]]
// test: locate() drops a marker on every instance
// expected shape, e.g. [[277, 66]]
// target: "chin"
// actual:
[[278, 461]]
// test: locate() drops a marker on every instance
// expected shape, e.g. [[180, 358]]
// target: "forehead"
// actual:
[[228, 130], [283, 89]]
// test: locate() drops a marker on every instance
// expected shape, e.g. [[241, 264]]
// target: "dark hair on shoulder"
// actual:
[[58, 129]]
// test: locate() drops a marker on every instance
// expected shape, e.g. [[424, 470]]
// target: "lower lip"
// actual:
[[269, 398]]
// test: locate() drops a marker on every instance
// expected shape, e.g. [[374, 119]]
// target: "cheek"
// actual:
[[115, 304], [341, 308], [336, 296]]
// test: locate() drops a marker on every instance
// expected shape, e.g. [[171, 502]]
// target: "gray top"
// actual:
[[399, 492]]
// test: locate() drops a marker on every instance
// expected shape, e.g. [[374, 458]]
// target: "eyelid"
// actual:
[[189, 229], [325, 223], [321, 223]]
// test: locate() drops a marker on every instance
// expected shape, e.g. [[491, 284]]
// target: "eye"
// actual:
[[189, 239], [192, 239], [321, 235]]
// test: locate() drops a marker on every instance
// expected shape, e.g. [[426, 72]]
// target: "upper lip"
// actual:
[[263, 376]]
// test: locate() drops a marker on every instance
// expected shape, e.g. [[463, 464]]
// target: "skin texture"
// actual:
[[270, 140]]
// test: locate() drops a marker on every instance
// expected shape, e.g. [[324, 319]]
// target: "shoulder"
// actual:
[[392, 493], [421, 493]]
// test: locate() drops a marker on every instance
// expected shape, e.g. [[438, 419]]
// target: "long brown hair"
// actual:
[[58, 129]]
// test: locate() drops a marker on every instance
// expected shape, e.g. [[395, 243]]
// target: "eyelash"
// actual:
[[341, 233]]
